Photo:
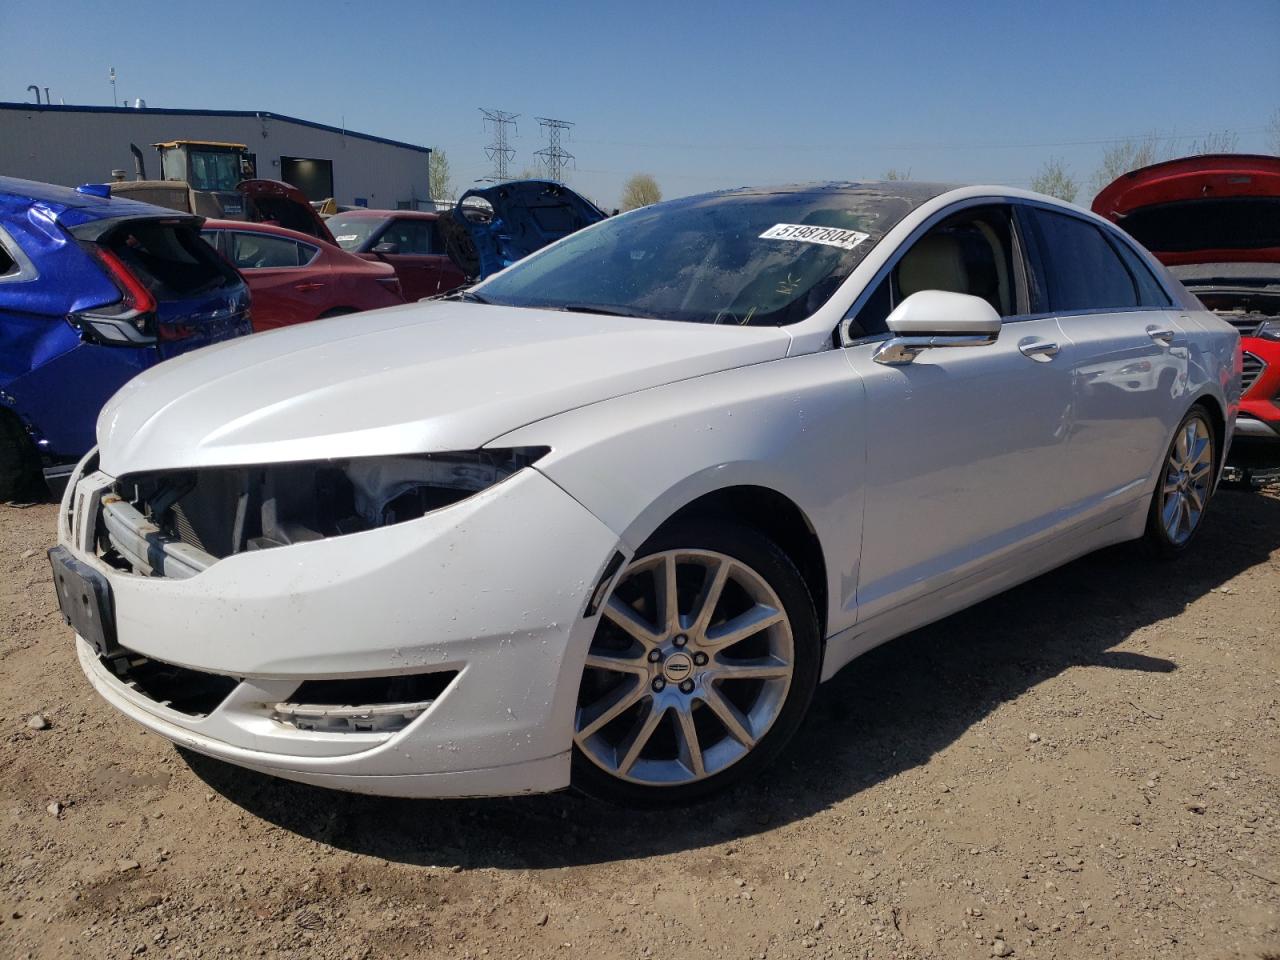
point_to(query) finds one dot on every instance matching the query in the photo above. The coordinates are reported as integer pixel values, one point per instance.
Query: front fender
(795, 426)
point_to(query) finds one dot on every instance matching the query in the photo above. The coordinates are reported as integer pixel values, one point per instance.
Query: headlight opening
(227, 510)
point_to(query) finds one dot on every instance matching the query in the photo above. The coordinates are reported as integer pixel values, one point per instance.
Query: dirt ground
(1088, 766)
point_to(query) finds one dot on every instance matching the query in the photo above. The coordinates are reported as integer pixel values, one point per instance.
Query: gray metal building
(72, 145)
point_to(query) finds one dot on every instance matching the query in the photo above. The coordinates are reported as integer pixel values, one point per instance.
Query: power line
(866, 145)
(553, 156)
(498, 152)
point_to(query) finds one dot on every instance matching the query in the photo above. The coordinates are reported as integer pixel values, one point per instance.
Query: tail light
(131, 322)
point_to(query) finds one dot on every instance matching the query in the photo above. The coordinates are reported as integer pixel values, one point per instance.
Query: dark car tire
(1160, 540)
(19, 466)
(758, 553)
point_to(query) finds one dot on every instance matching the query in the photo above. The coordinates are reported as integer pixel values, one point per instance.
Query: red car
(294, 277)
(409, 240)
(1214, 220)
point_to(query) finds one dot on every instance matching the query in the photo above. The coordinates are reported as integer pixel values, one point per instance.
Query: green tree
(1054, 180)
(893, 173)
(640, 191)
(439, 180)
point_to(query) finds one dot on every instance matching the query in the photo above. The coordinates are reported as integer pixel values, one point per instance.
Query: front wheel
(1182, 492)
(703, 664)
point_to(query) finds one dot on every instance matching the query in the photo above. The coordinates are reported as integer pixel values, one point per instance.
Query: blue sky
(701, 95)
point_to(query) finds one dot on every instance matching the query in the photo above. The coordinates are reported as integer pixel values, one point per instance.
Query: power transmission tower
(499, 152)
(553, 156)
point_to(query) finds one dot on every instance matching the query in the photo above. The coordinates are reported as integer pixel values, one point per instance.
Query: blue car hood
(526, 216)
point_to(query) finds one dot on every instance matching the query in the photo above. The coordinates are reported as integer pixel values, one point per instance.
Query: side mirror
(937, 318)
(387, 246)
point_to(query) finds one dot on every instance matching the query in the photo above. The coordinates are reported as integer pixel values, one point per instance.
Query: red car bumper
(1257, 436)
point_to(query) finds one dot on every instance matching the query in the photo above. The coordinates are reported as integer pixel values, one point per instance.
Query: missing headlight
(228, 510)
(392, 489)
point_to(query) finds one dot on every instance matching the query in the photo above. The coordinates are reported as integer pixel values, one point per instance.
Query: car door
(285, 289)
(965, 446)
(409, 252)
(1129, 355)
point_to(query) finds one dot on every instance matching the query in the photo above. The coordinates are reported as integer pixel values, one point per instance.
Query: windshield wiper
(595, 308)
(468, 296)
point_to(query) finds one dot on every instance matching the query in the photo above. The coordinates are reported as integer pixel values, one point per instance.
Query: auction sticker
(830, 236)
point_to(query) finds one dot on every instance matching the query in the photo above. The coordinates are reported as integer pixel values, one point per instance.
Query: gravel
(1144, 823)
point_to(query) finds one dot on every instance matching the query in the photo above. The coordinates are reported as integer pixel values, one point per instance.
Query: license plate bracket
(84, 597)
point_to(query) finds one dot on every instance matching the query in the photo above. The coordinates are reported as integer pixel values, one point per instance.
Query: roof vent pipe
(139, 165)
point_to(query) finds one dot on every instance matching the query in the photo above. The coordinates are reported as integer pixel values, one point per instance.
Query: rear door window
(1080, 270)
(170, 259)
(258, 251)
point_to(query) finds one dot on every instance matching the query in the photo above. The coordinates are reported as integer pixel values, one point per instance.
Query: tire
(1184, 486)
(690, 673)
(19, 468)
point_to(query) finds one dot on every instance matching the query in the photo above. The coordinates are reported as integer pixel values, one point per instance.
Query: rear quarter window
(1150, 292)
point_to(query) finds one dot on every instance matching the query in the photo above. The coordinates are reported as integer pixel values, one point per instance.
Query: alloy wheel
(689, 668)
(1187, 474)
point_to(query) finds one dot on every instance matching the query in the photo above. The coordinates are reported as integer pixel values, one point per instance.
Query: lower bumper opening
(192, 692)
(364, 705)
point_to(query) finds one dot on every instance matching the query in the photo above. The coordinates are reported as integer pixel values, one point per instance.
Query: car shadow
(889, 711)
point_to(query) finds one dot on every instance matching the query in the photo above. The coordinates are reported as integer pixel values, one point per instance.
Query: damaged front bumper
(439, 656)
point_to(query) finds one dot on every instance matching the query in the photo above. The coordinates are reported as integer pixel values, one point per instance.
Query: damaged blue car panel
(93, 290)
(490, 228)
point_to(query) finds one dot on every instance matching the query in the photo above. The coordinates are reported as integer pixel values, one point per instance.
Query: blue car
(93, 289)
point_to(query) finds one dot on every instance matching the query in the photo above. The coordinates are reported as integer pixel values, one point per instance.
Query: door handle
(1041, 351)
(308, 285)
(1162, 334)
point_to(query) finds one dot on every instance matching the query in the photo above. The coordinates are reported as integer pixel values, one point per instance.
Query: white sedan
(609, 517)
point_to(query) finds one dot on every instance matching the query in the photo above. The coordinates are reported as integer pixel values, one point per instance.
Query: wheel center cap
(677, 667)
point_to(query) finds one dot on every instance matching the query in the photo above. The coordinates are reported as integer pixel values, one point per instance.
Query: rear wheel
(19, 465)
(1186, 480)
(703, 665)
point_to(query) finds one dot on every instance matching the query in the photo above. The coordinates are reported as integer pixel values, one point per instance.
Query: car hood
(425, 377)
(491, 228)
(285, 204)
(1218, 208)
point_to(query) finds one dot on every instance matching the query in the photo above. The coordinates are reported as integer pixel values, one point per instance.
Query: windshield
(763, 259)
(214, 170)
(352, 233)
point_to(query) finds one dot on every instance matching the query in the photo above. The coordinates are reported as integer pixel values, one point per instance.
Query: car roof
(17, 194)
(366, 213)
(916, 190)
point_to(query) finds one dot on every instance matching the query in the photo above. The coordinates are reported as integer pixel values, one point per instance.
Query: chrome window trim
(1114, 233)
(23, 269)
